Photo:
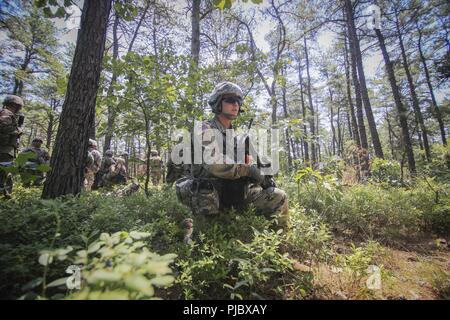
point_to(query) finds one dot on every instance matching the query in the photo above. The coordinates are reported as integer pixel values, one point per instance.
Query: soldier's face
(14, 108)
(230, 107)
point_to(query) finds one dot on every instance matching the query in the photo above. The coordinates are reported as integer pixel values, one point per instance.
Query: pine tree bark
(305, 146)
(401, 109)
(70, 152)
(358, 97)
(355, 48)
(311, 108)
(111, 111)
(354, 125)
(436, 109)
(286, 116)
(195, 32)
(412, 90)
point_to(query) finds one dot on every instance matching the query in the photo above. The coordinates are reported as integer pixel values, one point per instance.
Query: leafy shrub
(358, 266)
(308, 234)
(439, 167)
(369, 211)
(117, 266)
(386, 171)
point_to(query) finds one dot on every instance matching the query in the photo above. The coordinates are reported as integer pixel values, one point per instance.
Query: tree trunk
(412, 90)
(69, 155)
(286, 115)
(51, 121)
(333, 130)
(354, 125)
(402, 112)
(359, 107)
(305, 130)
(391, 142)
(18, 83)
(436, 109)
(111, 112)
(339, 132)
(195, 32)
(311, 108)
(148, 152)
(356, 50)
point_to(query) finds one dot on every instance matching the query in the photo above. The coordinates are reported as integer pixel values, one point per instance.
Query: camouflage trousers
(204, 199)
(6, 182)
(156, 177)
(270, 202)
(89, 178)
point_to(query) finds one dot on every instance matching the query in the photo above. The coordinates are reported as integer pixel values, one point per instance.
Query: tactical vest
(8, 132)
(231, 193)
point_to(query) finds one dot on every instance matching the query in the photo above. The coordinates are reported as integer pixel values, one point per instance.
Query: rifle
(268, 179)
(20, 122)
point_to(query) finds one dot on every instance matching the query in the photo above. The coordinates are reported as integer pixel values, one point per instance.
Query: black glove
(255, 174)
(268, 182)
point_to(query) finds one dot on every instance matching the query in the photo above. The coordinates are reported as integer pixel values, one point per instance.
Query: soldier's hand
(255, 174)
(268, 182)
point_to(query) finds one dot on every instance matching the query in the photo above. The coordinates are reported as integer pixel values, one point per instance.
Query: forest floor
(412, 271)
(362, 242)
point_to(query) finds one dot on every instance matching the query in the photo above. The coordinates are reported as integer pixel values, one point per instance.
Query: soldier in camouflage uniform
(101, 177)
(156, 167)
(93, 164)
(118, 173)
(41, 157)
(128, 190)
(10, 132)
(209, 188)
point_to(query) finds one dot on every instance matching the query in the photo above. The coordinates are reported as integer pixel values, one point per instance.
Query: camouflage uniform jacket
(9, 132)
(155, 164)
(107, 163)
(120, 167)
(42, 156)
(95, 166)
(223, 170)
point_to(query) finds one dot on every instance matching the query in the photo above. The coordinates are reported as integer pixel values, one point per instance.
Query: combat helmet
(221, 89)
(92, 143)
(13, 100)
(37, 139)
(108, 153)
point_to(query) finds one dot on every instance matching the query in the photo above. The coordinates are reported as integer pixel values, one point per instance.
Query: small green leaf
(139, 235)
(45, 259)
(58, 282)
(40, 3)
(94, 247)
(102, 275)
(32, 284)
(162, 281)
(22, 158)
(48, 12)
(139, 283)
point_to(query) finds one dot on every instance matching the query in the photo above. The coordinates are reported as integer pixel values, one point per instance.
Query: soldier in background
(93, 164)
(128, 190)
(156, 167)
(119, 172)
(11, 121)
(41, 157)
(105, 167)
